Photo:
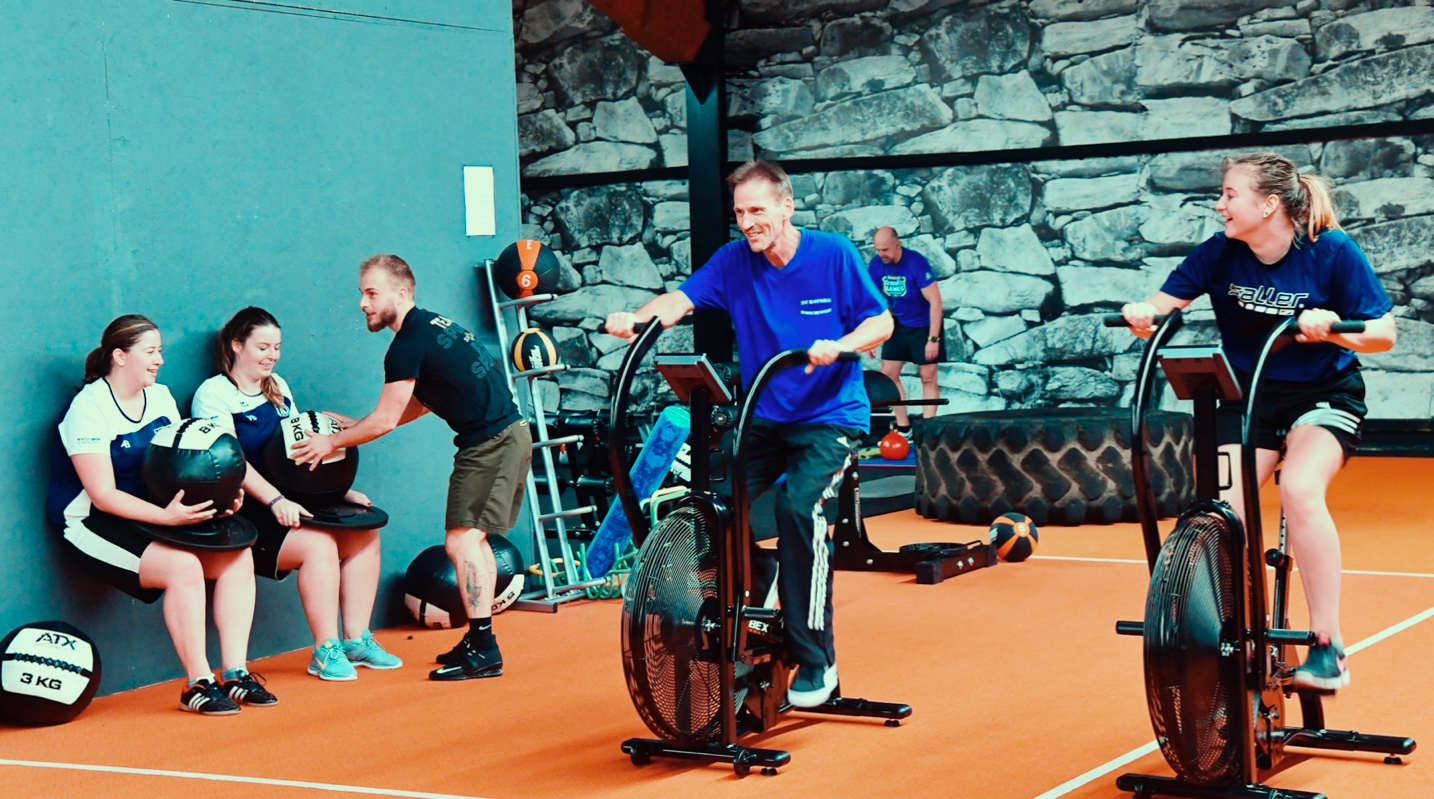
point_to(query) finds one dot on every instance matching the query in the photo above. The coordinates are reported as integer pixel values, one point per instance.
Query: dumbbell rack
(547, 598)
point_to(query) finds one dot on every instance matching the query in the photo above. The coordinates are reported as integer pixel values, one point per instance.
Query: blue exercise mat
(653, 464)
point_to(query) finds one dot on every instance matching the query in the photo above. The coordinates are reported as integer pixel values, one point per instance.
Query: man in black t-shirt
(435, 365)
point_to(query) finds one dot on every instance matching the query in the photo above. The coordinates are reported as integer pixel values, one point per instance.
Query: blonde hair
(1305, 197)
(759, 169)
(396, 268)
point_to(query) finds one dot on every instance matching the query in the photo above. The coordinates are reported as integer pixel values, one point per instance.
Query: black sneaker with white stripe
(250, 690)
(207, 698)
(471, 663)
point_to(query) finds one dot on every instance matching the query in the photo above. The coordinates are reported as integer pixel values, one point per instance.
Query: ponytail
(121, 334)
(1320, 215)
(238, 329)
(1305, 198)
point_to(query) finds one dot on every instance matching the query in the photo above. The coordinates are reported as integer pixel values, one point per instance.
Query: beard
(381, 319)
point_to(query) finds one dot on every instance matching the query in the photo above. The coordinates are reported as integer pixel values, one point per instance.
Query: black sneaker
(812, 686)
(1324, 668)
(250, 690)
(471, 664)
(207, 699)
(451, 656)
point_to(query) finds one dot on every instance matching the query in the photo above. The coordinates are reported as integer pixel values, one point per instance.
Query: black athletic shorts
(1336, 404)
(271, 538)
(908, 344)
(110, 547)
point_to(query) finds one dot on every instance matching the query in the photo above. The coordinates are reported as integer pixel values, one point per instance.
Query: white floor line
(1100, 771)
(1135, 754)
(1087, 560)
(153, 772)
(1361, 572)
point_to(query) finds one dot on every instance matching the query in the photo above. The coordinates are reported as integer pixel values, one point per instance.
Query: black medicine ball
(323, 486)
(533, 349)
(525, 268)
(430, 586)
(198, 456)
(49, 674)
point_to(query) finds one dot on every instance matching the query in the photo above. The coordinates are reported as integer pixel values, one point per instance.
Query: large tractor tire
(1065, 466)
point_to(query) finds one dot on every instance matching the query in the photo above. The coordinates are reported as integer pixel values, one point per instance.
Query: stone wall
(1027, 255)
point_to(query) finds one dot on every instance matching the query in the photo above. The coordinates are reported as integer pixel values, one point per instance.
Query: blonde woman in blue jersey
(1283, 253)
(338, 571)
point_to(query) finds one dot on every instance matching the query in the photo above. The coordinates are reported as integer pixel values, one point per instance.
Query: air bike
(1218, 664)
(704, 666)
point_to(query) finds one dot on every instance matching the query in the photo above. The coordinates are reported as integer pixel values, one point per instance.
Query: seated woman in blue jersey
(338, 572)
(95, 489)
(1283, 253)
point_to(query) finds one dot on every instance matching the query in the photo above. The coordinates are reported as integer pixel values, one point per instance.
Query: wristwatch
(933, 339)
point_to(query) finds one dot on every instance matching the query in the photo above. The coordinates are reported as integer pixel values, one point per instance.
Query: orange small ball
(894, 446)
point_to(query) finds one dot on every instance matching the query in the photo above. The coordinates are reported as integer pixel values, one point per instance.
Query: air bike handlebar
(647, 334)
(778, 363)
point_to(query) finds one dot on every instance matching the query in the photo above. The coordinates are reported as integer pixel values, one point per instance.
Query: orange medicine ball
(1015, 537)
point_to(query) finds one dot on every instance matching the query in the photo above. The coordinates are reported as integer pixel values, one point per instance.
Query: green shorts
(486, 489)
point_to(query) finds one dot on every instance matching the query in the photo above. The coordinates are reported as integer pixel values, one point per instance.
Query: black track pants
(813, 459)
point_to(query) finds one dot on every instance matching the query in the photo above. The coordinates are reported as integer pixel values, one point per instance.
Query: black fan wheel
(1192, 681)
(670, 629)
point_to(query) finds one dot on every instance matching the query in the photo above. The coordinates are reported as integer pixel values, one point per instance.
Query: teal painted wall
(183, 160)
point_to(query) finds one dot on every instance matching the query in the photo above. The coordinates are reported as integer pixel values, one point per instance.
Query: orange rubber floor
(1020, 689)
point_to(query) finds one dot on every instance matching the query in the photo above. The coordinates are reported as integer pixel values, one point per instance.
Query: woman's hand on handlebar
(620, 324)
(177, 513)
(822, 353)
(1315, 324)
(1141, 318)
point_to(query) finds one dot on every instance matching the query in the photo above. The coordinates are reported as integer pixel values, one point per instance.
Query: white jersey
(95, 424)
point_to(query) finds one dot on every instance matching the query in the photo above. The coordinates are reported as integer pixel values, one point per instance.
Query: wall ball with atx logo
(49, 674)
(527, 267)
(534, 349)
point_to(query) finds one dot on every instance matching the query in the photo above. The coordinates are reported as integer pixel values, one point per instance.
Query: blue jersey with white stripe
(94, 424)
(253, 417)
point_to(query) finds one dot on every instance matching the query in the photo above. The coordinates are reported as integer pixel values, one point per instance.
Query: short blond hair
(760, 169)
(396, 268)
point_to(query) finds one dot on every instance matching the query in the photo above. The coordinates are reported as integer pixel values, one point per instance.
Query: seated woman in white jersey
(338, 570)
(96, 498)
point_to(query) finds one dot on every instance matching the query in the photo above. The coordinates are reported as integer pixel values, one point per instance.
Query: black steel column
(708, 195)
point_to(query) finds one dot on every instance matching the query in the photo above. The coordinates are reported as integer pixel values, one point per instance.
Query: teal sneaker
(329, 663)
(369, 653)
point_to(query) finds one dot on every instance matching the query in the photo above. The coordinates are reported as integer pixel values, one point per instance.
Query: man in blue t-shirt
(786, 288)
(905, 277)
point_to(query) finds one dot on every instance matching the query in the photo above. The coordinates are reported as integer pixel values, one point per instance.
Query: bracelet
(274, 500)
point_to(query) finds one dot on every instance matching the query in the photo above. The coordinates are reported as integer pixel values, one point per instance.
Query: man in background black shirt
(435, 365)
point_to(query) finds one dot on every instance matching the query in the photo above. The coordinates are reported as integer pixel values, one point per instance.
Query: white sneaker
(810, 690)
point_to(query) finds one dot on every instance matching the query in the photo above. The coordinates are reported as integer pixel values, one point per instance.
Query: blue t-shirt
(823, 293)
(902, 283)
(1250, 297)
